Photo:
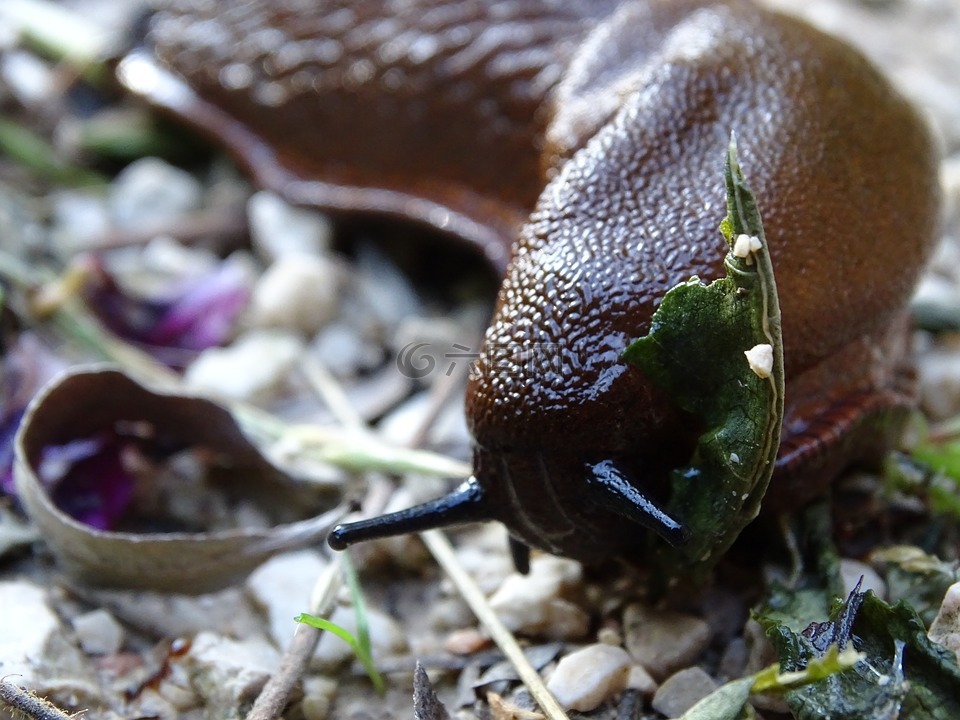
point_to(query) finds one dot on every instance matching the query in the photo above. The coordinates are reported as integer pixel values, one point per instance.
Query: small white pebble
(28, 77)
(278, 229)
(151, 192)
(298, 292)
(641, 681)
(760, 359)
(945, 628)
(939, 371)
(79, 217)
(251, 369)
(537, 604)
(746, 244)
(585, 678)
(98, 632)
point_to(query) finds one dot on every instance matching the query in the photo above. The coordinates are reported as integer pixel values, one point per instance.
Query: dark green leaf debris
(695, 351)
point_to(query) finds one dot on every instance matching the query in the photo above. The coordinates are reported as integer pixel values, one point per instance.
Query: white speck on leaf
(746, 244)
(760, 358)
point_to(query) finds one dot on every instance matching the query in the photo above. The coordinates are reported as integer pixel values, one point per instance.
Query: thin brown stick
(440, 394)
(275, 695)
(445, 556)
(218, 222)
(30, 704)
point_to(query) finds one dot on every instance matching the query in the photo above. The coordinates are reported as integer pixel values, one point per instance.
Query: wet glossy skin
(595, 135)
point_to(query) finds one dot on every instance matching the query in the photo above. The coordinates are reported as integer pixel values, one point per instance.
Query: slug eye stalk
(466, 504)
(614, 492)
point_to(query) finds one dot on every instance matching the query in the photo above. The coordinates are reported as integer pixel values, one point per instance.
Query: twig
(440, 394)
(220, 222)
(29, 704)
(276, 693)
(328, 389)
(443, 551)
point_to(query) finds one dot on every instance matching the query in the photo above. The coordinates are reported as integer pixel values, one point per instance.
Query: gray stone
(26, 625)
(663, 641)
(945, 628)
(682, 690)
(227, 673)
(282, 588)
(386, 637)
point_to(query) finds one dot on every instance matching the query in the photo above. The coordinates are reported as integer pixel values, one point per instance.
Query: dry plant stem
(276, 693)
(29, 704)
(443, 552)
(440, 394)
(328, 389)
(219, 222)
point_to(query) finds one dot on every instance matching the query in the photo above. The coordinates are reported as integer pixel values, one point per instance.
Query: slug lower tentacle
(587, 136)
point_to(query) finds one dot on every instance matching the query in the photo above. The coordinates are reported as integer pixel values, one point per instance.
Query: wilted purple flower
(193, 314)
(27, 366)
(89, 480)
(8, 429)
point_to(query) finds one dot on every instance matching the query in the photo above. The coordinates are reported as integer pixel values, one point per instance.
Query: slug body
(588, 136)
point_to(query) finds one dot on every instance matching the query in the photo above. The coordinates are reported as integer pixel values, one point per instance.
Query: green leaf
(360, 609)
(725, 703)
(903, 674)
(34, 152)
(916, 577)
(361, 643)
(931, 471)
(362, 655)
(728, 702)
(695, 351)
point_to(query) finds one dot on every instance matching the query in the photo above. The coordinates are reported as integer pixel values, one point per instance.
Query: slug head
(573, 446)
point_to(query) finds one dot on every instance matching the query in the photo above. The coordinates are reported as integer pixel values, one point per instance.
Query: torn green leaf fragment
(717, 351)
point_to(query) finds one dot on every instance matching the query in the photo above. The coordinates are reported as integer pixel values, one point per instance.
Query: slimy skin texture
(589, 136)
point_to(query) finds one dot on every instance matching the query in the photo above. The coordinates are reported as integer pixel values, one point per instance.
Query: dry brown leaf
(86, 402)
(501, 709)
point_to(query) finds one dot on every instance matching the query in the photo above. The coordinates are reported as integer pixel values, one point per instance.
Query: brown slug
(588, 136)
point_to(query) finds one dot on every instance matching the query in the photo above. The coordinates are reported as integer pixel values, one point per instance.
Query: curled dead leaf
(86, 405)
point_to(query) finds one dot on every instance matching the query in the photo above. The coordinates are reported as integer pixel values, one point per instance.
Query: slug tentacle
(467, 503)
(617, 494)
(520, 554)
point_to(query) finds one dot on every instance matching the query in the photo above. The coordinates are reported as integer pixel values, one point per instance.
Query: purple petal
(89, 480)
(192, 315)
(8, 430)
(205, 313)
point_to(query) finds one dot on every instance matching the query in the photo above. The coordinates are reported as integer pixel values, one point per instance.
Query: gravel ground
(315, 316)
